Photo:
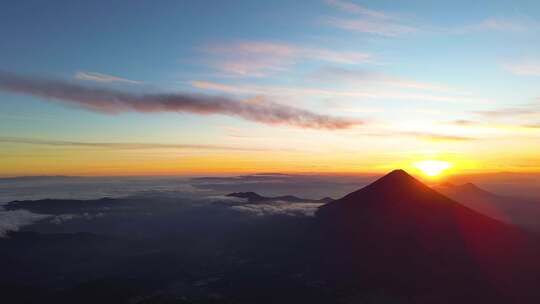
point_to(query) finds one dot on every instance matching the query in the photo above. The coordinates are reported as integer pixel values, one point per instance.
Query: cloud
(508, 112)
(438, 137)
(495, 24)
(116, 145)
(435, 137)
(502, 25)
(279, 208)
(464, 122)
(62, 218)
(378, 22)
(354, 92)
(370, 26)
(532, 126)
(525, 68)
(98, 77)
(259, 58)
(14, 220)
(525, 110)
(356, 76)
(354, 8)
(369, 21)
(110, 101)
(511, 128)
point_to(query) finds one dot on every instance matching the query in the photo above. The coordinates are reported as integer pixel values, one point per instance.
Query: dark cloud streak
(110, 101)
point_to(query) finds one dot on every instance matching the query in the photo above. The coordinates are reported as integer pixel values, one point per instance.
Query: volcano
(406, 238)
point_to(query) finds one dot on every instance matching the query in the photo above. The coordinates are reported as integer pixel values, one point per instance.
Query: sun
(432, 168)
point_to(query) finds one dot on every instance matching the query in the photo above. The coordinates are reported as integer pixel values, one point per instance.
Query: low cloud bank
(279, 208)
(14, 220)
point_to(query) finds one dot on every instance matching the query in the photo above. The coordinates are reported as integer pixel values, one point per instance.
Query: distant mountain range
(516, 211)
(62, 206)
(254, 198)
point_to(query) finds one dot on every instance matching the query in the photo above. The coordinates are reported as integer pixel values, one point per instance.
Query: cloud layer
(377, 27)
(14, 220)
(367, 21)
(354, 8)
(114, 102)
(437, 93)
(116, 145)
(99, 77)
(260, 58)
(279, 208)
(362, 76)
(524, 68)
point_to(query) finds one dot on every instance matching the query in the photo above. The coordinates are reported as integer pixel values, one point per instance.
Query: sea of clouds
(199, 191)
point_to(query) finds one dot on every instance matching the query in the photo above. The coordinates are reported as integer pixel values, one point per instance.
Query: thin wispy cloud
(435, 137)
(382, 23)
(353, 92)
(362, 76)
(499, 24)
(110, 101)
(532, 126)
(99, 77)
(378, 27)
(511, 112)
(508, 112)
(524, 68)
(490, 127)
(517, 25)
(464, 122)
(354, 8)
(260, 58)
(522, 118)
(368, 21)
(118, 145)
(425, 136)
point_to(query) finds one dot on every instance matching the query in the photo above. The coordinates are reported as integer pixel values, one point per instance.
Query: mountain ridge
(254, 198)
(515, 211)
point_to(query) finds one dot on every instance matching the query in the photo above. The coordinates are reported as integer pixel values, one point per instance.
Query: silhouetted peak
(469, 186)
(398, 172)
(326, 200)
(447, 184)
(395, 186)
(472, 188)
(397, 178)
(248, 195)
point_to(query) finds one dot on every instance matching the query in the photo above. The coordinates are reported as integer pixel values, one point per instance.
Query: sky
(226, 87)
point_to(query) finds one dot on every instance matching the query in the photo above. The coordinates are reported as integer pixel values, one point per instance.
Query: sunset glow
(338, 91)
(432, 167)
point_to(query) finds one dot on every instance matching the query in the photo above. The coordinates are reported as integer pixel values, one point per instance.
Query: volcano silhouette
(400, 235)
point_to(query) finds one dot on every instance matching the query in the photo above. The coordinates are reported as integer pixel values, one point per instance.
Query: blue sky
(441, 79)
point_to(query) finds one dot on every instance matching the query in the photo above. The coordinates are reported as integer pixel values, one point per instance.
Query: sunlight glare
(432, 167)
